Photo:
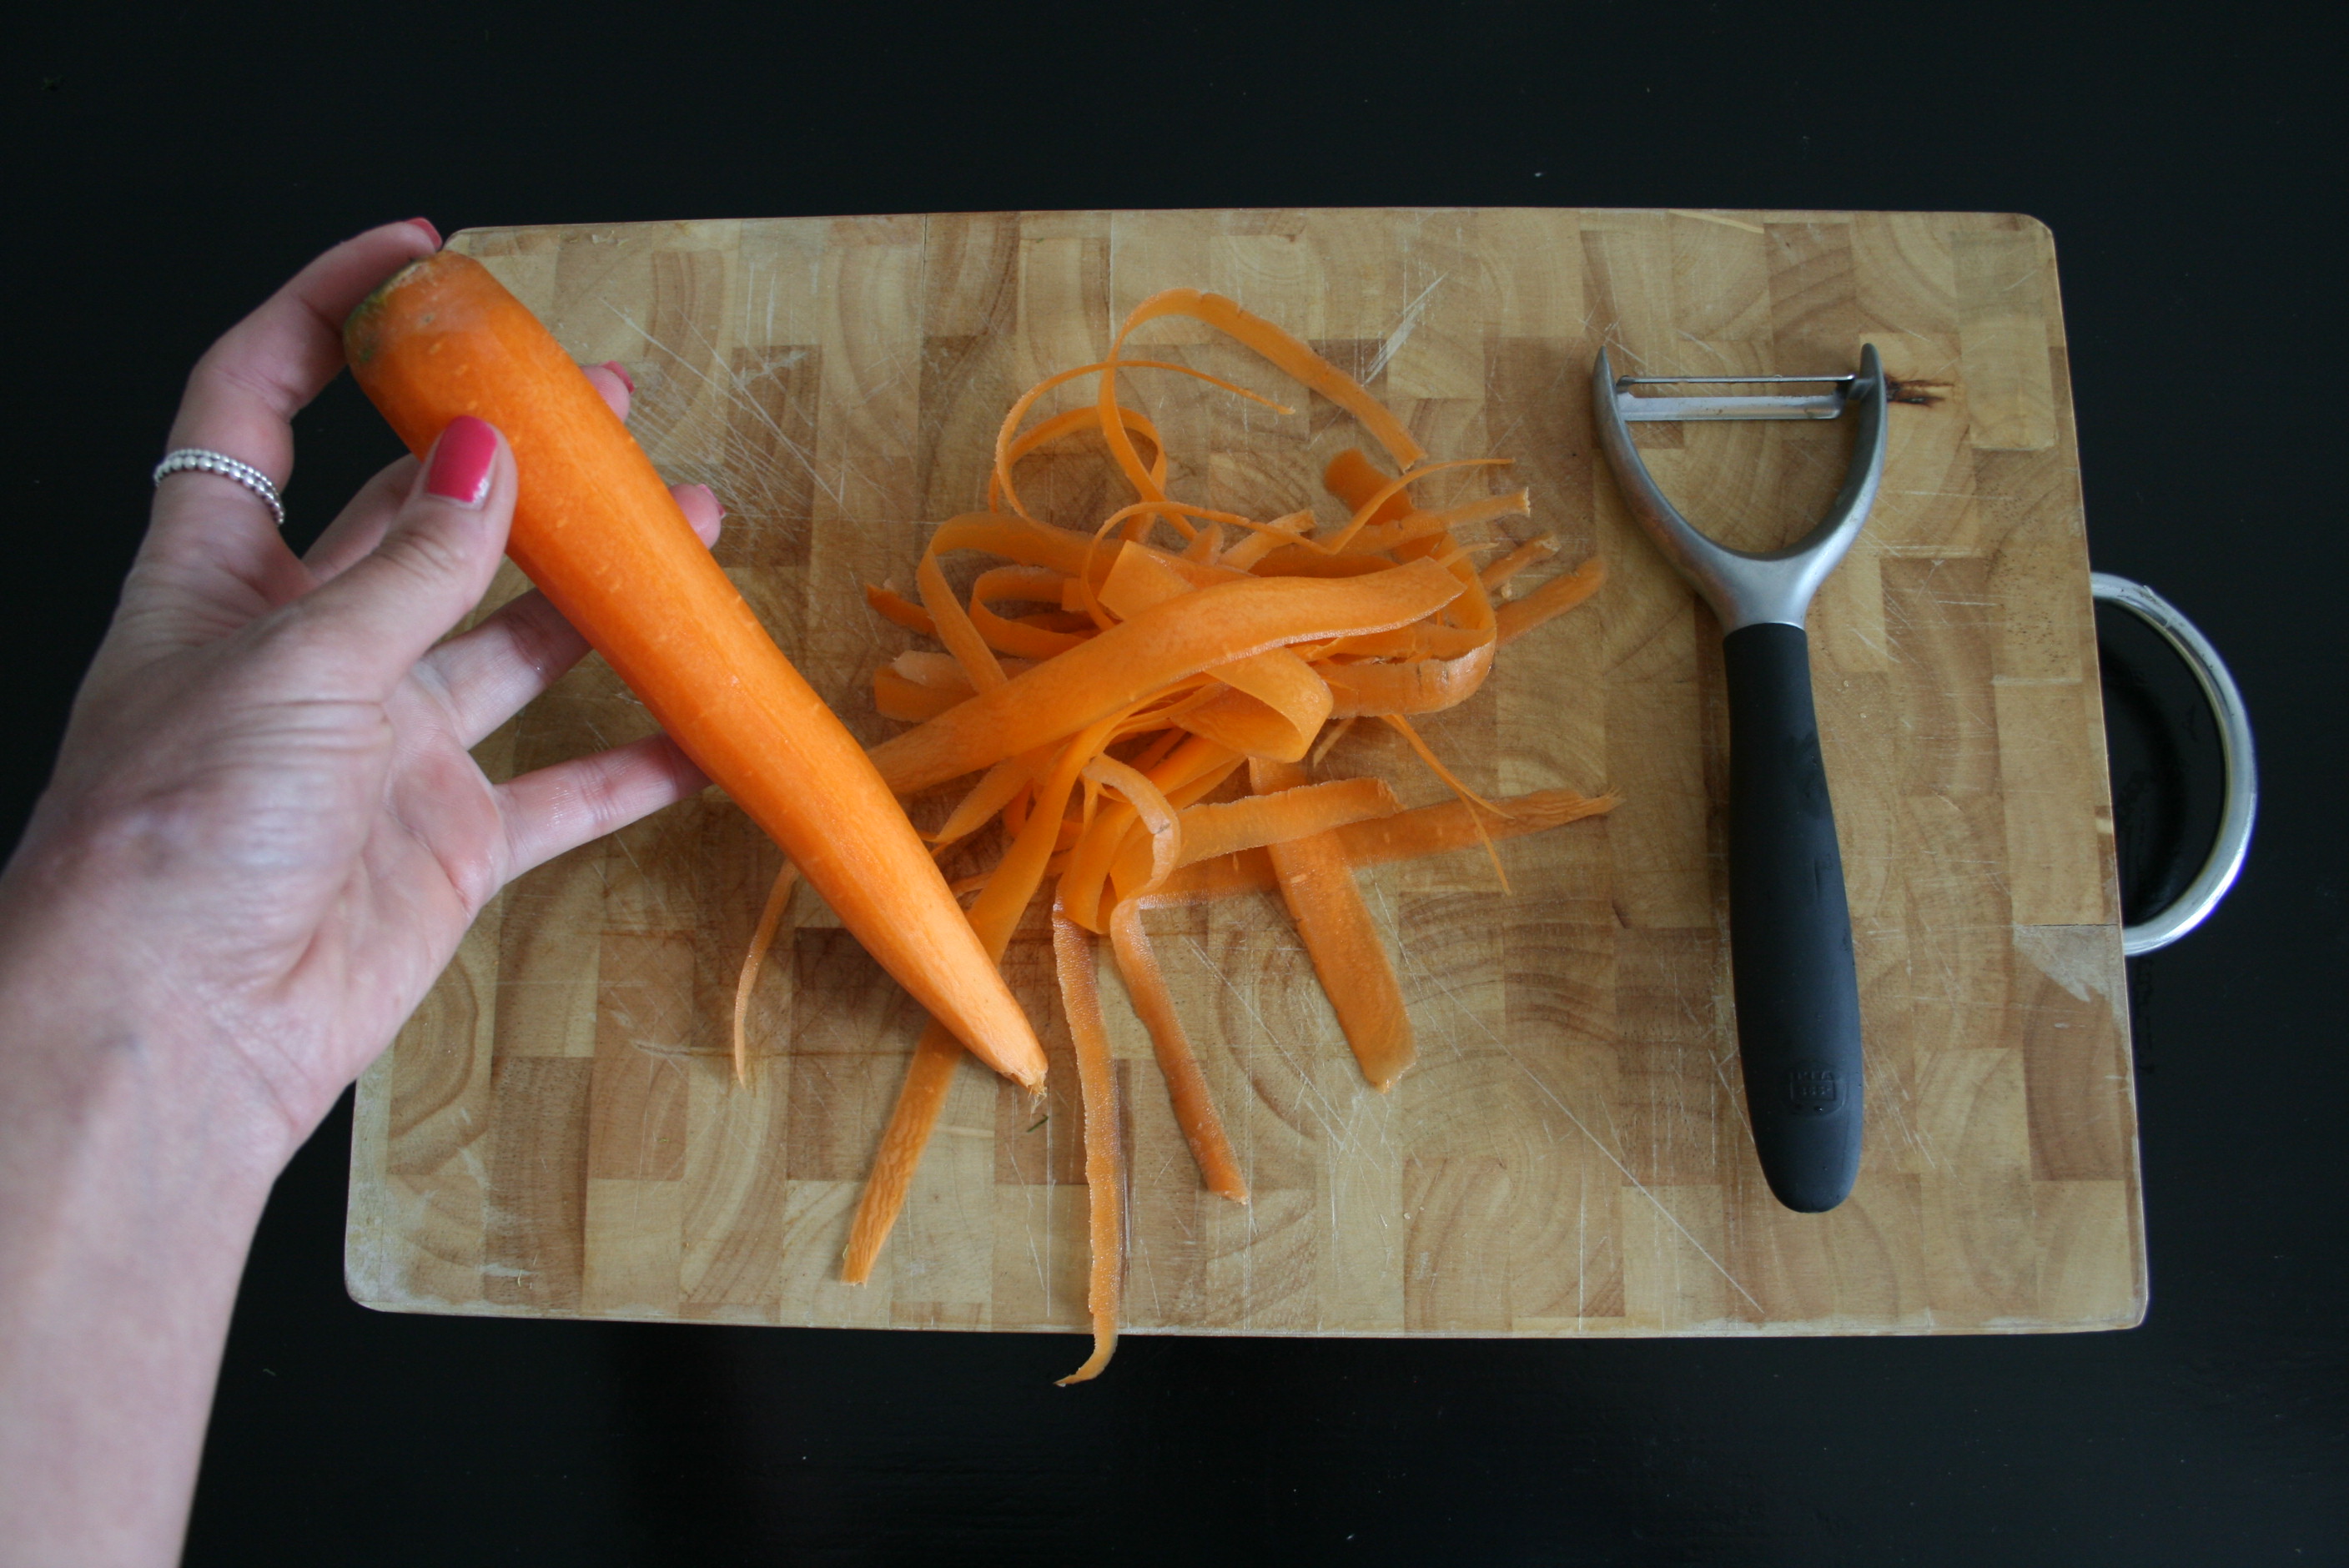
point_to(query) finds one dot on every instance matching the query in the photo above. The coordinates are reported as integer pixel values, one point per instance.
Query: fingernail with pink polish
(626, 380)
(462, 461)
(426, 224)
(715, 501)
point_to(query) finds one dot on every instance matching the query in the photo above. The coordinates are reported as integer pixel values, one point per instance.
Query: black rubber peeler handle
(1790, 928)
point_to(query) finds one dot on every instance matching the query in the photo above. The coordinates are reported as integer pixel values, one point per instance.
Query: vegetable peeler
(1789, 925)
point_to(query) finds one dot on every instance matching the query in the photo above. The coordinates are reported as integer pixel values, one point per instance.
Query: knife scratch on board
(1404, 328)
(1327, 1111)
(1639, 1186)
(731, 392)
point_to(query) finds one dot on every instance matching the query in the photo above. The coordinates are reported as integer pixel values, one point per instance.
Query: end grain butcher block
(557, 1132)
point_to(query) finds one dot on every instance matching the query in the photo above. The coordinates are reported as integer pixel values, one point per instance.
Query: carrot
(597, 530)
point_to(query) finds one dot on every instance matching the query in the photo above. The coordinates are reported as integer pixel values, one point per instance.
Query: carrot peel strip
(1259, 820)
(1186, 1086)
(1072, 951)
(1289, 353)
(1391, 489)
(762, 939)
(1317, 883)
(955, 628)
(1517, 561)
(1555, 597)
(1435, 766)
(990, 795)
(1216, 625)
(993, 917)
(893, 606)
(919, 1100)
(1453, 826)
(1151, 805)
(1002, 482)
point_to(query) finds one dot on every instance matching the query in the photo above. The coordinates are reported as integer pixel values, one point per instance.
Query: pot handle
(2242, 797)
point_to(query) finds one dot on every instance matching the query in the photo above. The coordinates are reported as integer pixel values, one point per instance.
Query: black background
(166, 166)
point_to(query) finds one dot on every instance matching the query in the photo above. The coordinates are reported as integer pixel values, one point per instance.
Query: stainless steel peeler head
(1745, 588)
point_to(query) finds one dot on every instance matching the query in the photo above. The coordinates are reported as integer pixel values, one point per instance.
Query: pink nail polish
(461, 462)
(715, 501)
(626, 380)
(426, 224)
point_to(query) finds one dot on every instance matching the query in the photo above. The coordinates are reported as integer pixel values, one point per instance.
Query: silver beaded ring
(202, 462)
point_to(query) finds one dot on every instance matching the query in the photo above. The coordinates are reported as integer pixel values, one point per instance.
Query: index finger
(244, 394)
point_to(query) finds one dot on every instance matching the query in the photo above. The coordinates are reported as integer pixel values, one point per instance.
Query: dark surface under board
(163, 171)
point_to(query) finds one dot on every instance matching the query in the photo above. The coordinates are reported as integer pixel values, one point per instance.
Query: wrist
(99, 1093)
(96, 1059)
(133, 1174)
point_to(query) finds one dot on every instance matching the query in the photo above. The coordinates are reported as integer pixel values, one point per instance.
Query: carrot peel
(1072, 951)
(761, 938)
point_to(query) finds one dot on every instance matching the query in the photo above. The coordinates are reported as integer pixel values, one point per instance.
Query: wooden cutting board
(556, 1134)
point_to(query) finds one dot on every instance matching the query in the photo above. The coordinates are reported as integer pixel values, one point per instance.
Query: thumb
(359, 634)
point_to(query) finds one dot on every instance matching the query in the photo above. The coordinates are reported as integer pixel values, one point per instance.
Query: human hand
(265, 835)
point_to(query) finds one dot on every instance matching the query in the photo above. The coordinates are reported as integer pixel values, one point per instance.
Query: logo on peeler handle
(1813, 1089)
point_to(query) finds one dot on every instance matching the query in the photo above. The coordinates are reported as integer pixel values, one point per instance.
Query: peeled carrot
(597, 530)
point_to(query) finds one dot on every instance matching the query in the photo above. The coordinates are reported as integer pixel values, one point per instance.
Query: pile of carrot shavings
(1103, 683)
